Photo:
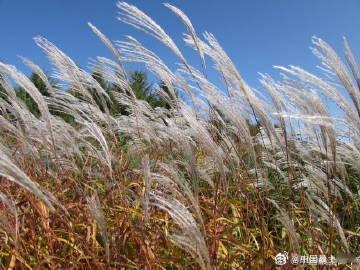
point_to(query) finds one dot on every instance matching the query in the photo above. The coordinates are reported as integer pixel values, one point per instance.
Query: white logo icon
(281, 258)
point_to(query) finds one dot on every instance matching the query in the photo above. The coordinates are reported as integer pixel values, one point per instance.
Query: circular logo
(281, 258)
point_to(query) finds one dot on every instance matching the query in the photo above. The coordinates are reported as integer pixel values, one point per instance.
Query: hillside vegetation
(98, 171)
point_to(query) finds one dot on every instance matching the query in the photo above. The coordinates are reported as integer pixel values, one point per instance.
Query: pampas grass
(222, 177)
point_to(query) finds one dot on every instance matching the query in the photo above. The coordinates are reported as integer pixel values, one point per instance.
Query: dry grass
(225, 177)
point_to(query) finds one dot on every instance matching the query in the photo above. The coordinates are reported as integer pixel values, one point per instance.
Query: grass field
(204, 176)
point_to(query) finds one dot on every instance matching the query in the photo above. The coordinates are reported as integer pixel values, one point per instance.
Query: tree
(163, 102)
(24, 96)
(140, 86)
(39, 84)
(143, 90)
(2, 90)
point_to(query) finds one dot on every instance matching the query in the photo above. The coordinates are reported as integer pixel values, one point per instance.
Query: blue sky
(256, 33)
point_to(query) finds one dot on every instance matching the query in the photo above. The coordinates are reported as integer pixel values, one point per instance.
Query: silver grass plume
(288, 223)
(352, 63)
(98, 215)
(133, 16)
(111, 47)
(147, 185)
(331, 60)
(189, 237)
(69, 72)
(10, 171)
(9, 203)
(38, 71)
(186, 21)
(133, 51)
(323, 211)
(92, 130)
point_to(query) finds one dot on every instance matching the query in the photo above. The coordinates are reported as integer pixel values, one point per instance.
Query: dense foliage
(103, 170)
